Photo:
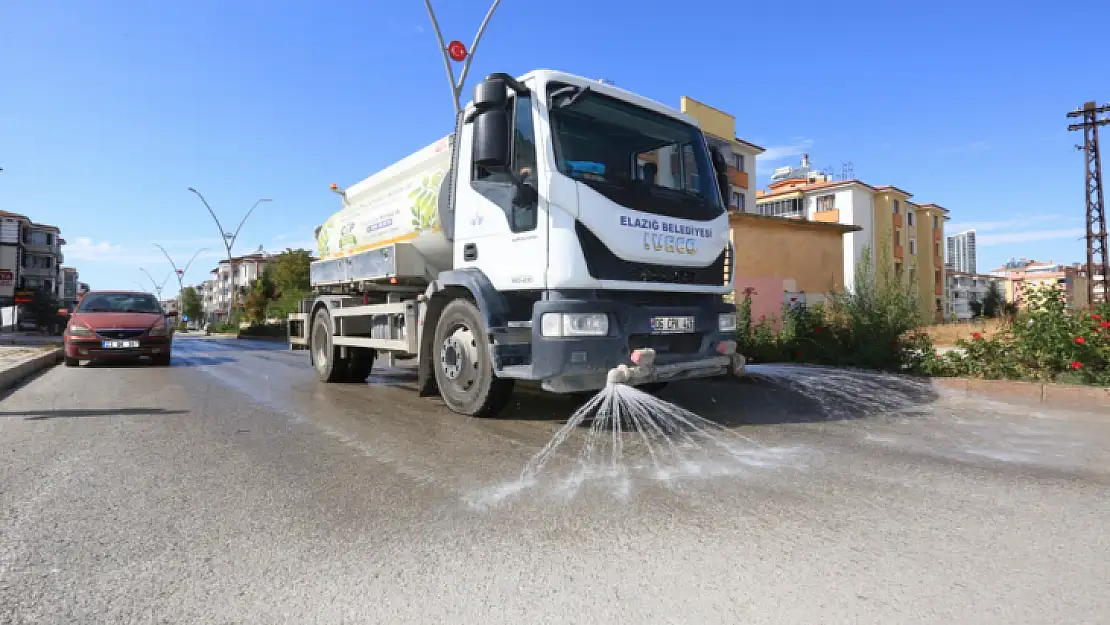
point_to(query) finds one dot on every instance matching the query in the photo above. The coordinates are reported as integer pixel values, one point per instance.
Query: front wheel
(71, 362)
(463, 369)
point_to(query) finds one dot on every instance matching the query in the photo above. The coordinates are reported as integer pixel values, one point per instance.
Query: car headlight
(77, 329)
(159, 329)
(574, 324)
(726, 322)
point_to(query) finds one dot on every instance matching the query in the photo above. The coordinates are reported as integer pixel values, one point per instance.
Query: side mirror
(491, 124)
(64, 312)
(720, 165)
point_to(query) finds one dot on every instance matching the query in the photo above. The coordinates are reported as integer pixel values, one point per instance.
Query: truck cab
(588, 244)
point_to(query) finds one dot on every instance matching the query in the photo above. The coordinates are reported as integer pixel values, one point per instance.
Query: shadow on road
(66, 413)
(178, 361)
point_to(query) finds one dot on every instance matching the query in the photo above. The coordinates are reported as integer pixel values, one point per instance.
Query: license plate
(120, 344)
(672, 325)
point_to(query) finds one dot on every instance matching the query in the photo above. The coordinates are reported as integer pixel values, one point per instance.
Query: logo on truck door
(668, 237)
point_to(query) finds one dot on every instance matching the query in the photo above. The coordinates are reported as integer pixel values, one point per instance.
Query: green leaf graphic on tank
(425, 203)
(347, 237)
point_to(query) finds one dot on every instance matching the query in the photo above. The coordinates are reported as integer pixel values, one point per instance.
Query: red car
(115, 325)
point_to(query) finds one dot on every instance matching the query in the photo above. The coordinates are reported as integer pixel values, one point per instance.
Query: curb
(1070, 395)
(29, 366)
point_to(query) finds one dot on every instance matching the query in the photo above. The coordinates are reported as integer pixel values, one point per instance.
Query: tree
(992, 301)
(190, 303)
(43, 308)
(290, 270)
(976, 308)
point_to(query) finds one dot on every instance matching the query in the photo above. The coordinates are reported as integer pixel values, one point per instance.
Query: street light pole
(456, 86)
(180, 272)
(229, 242)
(157, 288)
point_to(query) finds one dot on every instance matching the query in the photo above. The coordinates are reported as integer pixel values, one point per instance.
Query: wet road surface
(233, 488)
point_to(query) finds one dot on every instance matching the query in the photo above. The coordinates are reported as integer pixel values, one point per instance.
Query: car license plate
(672, 325)
(120, 344)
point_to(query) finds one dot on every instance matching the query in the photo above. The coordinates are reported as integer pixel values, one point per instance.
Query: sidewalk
(28, 338)
(19, 361)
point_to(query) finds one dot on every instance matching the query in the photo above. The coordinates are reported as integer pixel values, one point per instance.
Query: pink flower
(1079, 340)
(1076, 365)
(977, 336)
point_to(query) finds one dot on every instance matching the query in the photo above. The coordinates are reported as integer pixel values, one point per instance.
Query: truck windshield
(638, 158)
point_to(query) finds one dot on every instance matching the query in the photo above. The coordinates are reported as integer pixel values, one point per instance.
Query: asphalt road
(232, 488)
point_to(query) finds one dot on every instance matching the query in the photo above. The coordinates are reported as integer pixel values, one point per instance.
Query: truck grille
(117, 333)
(604, 265)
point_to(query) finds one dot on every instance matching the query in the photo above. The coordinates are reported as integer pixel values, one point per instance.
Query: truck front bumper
(588, 363)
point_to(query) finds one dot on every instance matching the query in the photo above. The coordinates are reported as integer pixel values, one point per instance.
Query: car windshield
(636, 157)
(120, 303)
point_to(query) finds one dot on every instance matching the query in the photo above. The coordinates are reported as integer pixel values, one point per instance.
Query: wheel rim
(458, 358)
(320, 346)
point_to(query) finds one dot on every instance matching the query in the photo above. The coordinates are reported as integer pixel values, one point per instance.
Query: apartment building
(963, 289)
(1022, 276)
(902, 236)
(720, 132)
(960, 252)
(70, 284)
(215, 292)
(30, 259)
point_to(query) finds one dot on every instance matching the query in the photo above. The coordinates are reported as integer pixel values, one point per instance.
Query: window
(826, 203)
(913, 247)
(637, 158)
(737, 200)
(119, 302)
(936, 222)
(494, 184)
(740, 203)
(898, 236)
(738, 161)
(895, 207)
(909, 219)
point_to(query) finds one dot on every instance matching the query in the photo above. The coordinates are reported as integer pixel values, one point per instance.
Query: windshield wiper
(577, 92)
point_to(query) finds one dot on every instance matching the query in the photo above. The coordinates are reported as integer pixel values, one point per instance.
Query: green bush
(265, 330)
(224, 328)
(873, 325)
(1045, 342)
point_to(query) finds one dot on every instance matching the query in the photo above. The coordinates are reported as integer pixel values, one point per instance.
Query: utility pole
(229, 242)
(1097, 263)
(456, 51)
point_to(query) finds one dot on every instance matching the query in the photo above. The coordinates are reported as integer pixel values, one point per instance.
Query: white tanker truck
(568, 233)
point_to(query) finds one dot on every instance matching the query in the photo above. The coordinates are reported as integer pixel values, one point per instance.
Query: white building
(963, 288)
(215, 293)
(960, 252)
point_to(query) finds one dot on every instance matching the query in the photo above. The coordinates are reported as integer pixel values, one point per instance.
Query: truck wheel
(464, 373)
(325, 356)
(359, 364)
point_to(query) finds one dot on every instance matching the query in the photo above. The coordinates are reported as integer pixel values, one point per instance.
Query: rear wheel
(325, 355)
(359, 364)
(463, 370)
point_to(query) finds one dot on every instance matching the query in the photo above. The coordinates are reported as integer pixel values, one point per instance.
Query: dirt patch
(946, 334)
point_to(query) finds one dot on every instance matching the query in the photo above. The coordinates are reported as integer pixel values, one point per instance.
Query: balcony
(737, 178)
(936, 235)
(42, 248)
(827, 216)
(899, 252)
(897, 220)
(39, 272)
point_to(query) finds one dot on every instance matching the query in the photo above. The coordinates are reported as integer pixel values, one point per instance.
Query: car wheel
(463, 370)
(71, 362)
(163, 360)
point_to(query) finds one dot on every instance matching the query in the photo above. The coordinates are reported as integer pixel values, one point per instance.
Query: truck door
(500, 228)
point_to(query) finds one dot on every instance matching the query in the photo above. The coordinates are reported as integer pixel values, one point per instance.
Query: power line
(1097, 263)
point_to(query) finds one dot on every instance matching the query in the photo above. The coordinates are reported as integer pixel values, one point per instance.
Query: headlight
(77, 329)
(574, 324)
(726, 322)
(159, 329)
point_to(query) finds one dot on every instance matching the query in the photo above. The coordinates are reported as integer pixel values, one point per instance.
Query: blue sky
(110, 110)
